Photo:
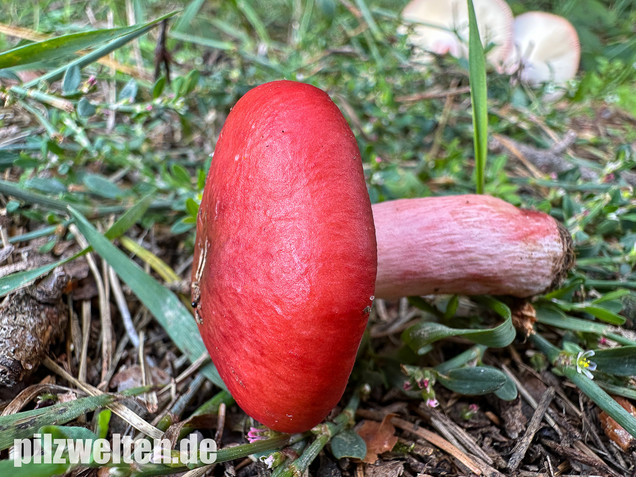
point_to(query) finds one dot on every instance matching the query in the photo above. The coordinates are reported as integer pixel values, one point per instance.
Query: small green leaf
(348, 444)
(49, 185)
(192, 206)
(102, 187)
(158, 87)
(85, 108)
(604, 314)
(68, 432)
(473, 381)
(617, 361)
(191, 81)
(177, 85)
(103, 419)
(181, 175)
(182, 226)
(72, 79)
(129, 218)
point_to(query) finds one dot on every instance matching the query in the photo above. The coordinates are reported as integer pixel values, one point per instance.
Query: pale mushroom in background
(442, 27)
(547, 50)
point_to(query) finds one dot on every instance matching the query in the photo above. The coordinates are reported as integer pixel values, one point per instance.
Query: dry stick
(120, 299)
(104, 306)
(412, 98)
(75, 332)
(130, 13)
(474, 465)
(438, 138)
(519, 451)
(146, 377)
(118, 408)
(86, 330)
(220, 424)
(441, 421)
(581, 456)
(528, 397)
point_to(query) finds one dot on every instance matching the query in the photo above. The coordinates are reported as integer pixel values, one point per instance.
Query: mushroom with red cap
(285, 255)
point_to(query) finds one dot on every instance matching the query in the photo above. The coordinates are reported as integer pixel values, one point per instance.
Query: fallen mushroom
(285, 255)
(468, 245)
(547, 50)
(442, 27)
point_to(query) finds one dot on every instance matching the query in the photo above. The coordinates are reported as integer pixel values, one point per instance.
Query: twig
(431, 438)
(528, 397)
(104, 306)
(86, 330)
(519, 451)
(412, 98)
(120, 299)
(118, 408)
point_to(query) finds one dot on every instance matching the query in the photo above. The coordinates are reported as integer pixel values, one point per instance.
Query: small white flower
(584, 365)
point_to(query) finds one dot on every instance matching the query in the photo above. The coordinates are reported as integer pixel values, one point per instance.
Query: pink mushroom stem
(468, 245)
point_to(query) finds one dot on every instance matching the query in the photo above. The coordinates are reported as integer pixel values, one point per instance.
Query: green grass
(98, 145)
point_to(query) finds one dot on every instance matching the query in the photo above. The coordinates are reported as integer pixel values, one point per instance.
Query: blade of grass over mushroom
(54, 48)
(161, 302)
(423, 334)
(100, 52)
(479, 98)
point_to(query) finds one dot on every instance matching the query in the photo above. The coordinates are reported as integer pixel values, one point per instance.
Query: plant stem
(324, 433)
(586, 385)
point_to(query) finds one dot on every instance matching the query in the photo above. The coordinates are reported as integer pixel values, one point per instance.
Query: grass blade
(119, 228)
(479, 98)
(100, 52)
(164, 305)
(423, 334)
(57, 47)
(24, 424)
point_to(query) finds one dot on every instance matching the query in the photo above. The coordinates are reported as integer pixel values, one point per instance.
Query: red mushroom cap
(285, 255)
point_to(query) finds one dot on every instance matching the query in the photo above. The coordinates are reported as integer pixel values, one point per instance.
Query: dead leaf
(523, 318)
(379, 436)
(614, 430)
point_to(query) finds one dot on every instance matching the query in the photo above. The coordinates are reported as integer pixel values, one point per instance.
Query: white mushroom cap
(442, 27)
(547, 49)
